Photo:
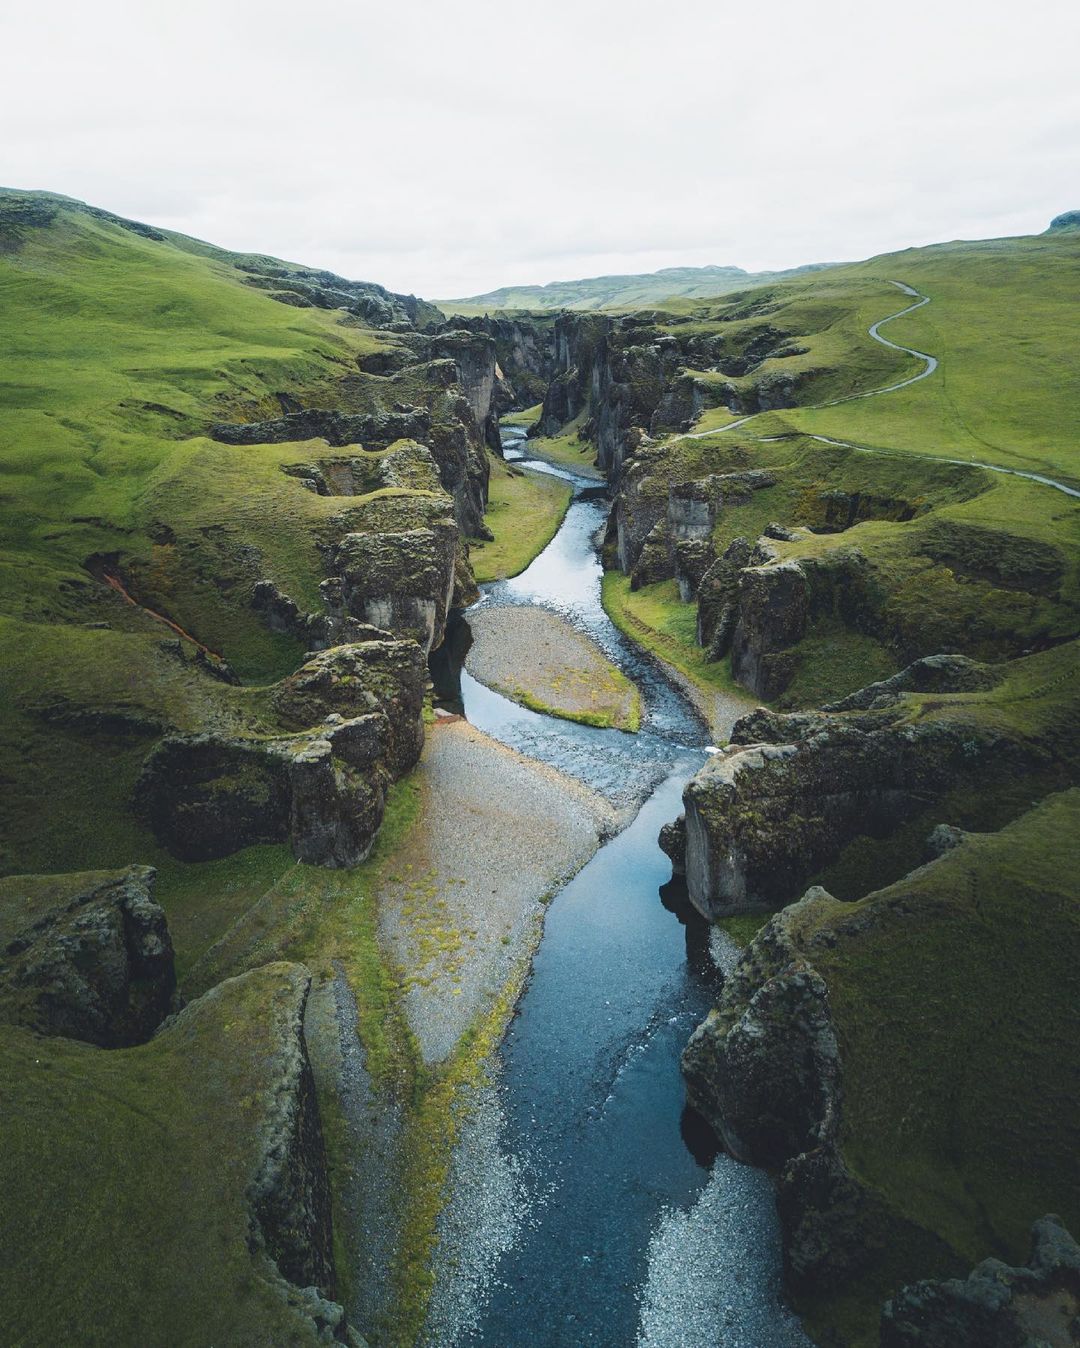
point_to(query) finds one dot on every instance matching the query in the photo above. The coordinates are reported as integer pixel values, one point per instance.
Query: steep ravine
(583, 1194)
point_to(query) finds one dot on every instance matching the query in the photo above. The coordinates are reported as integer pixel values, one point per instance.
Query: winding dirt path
(930, 365)
(874, 330)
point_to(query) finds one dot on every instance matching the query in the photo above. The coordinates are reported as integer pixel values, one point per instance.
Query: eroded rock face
(761, 818)
(97, 965)
(673, 843)
(767, 1077)
(208, 796)
(931, 674)
(384, 675)
(474, 356)
(290, 1191)
(997, 1306)
(764, 1070)
(402, 582)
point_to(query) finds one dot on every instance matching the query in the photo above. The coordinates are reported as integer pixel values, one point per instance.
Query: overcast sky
(447, 149)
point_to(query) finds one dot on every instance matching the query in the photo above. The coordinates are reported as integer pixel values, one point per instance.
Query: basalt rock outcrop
(931, 674)
(374, 676)
(95, 964)
(791, 792)
(1037, 1306)
(357, 711)
(662, 531)
(764, 1070)
(373, 304)
(209, 795)
(211, 1129)
(437, 391)
(400, 581)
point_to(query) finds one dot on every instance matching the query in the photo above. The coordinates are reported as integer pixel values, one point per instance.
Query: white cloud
(450, 149)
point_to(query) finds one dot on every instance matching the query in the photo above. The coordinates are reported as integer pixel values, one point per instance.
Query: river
(591, 1205)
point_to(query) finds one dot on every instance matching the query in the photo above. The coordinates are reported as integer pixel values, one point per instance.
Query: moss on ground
(125, 1175)
(527, 417)
(568, 447)
(655, 618)
(959, 1039)
(610, 719)
(524, 513)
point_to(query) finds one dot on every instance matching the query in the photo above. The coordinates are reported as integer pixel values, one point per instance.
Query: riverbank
(538, 659)
(461, 906)
(524, 511)
(653, 619)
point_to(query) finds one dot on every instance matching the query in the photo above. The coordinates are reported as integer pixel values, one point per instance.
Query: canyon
(668, 939)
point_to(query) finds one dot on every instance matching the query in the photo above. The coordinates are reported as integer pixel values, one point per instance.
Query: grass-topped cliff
(214, 465)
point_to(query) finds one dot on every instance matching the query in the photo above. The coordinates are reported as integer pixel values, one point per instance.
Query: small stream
(616, 1223)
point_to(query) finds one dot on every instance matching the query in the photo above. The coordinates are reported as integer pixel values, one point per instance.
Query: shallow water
(611, 1201)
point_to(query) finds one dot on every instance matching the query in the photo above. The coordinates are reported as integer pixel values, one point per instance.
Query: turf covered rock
(184, 1179)
(402, 582)
(762, 818)
(997, 1306)
(93, 962)
(208, 796)
(385, 675)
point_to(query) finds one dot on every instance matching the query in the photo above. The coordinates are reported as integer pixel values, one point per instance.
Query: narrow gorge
(537, 827)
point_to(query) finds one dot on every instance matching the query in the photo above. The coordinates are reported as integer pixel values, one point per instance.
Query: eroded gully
(587, 1205)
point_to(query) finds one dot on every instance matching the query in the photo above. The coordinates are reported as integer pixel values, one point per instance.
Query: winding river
(605, 1215)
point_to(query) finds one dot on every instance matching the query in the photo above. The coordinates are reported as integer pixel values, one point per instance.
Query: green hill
(621, 292)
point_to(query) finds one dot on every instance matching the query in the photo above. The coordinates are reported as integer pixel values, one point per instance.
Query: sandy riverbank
(461, 905)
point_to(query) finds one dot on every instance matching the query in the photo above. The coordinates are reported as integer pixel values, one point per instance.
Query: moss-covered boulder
(402, 582)
(386, 675)
(764, 817)
(1036, 1306)
(85, 956)
(324, 793)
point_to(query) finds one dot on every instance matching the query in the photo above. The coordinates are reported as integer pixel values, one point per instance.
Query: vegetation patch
(539, 659)
(524, 513)
(959, 1041)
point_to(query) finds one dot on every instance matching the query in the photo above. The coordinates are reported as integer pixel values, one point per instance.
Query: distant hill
(618, 292)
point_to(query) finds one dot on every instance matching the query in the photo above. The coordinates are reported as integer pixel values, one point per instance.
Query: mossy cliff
(240, 494)
(905, 1064)
(175, 1191)
(218, 463)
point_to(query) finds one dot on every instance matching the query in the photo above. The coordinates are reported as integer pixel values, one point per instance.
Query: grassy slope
(527, 417)
(145, 1154)
(119, 351)
(567, 447)
(1003, 323)
(959, 1040)
(524, 513)
(613, 292)
(655, 618)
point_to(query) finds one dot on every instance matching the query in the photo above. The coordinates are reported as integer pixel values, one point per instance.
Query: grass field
(524, 513)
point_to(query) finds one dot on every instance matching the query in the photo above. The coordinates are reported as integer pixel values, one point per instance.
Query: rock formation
(790, 792)
(94, 964)
(1037, 1306)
